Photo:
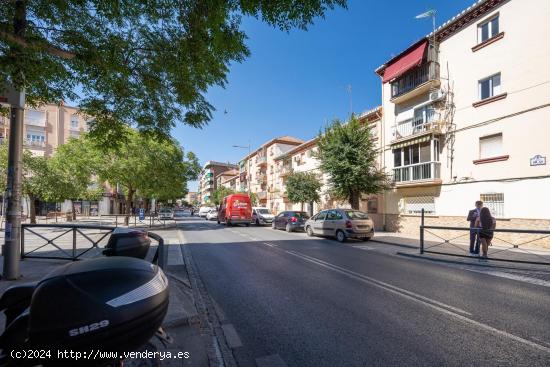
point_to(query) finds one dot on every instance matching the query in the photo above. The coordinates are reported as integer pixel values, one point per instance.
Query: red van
(235, 209)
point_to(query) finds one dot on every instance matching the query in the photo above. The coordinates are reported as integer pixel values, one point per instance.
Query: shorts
(486, 233)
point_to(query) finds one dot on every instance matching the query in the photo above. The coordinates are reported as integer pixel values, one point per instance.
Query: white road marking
(364, 247)
(441, 307)
(269, 244)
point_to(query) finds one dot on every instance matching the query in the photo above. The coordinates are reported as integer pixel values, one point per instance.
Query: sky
(295, 83)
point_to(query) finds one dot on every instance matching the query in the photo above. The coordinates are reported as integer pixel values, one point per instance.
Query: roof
(231, 172)
(372, 114)
(214, 163)
(286, 139)
(451, 26)
(308, 144)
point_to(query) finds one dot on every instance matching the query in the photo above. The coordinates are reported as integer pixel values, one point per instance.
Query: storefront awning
(405, 62)
(406, 143)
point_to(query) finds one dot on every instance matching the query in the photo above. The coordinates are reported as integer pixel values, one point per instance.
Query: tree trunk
(73, 209)
(354, 199)
(128, 210)
(32, 211)
(302, 206)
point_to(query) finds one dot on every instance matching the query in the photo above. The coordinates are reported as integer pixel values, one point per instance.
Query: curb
(393, 243)
(449, 261)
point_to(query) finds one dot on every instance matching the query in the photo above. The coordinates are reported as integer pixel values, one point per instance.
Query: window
(321, 216)
(489, 87)
(490, 146)
(334, 215)
(37, 118)
(487, 30)
(74, 121)
(414, 205)
(372, 205)
(397, 157)
(495, 203)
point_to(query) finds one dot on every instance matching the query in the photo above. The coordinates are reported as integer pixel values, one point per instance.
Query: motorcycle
(87, 312)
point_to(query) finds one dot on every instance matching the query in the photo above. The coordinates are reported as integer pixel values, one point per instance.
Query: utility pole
(350, 99)
(16, 98)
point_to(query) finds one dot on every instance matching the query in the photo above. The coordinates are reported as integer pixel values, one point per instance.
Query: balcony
(418, 81)
(261, 160)
(419, 173)
(285, 171)
(34, 143)
(429, 123)
(262, 195)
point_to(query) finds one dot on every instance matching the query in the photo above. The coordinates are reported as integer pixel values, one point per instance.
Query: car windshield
(356, 214)
(300, 215)
(263, 211)
(165, 210)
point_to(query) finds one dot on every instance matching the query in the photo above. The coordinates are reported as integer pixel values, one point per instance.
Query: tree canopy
(348, 155)
(303, 187)
(219, 194)
(146, 63)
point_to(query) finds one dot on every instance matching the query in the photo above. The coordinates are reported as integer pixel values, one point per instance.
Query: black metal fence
(505, 249)
(70, 241)
(135, 220)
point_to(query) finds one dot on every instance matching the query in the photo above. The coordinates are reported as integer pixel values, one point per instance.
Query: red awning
(405, 62)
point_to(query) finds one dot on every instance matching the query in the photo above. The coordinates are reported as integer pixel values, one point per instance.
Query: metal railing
(416, 125)
(414, 78)
(417, 172)
(133, 219)
(516, 250)
(78, 234)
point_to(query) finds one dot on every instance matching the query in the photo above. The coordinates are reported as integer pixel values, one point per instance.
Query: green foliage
(348, 155)
(253, 198)
(303, 187)
(219, 194)
(142, 63)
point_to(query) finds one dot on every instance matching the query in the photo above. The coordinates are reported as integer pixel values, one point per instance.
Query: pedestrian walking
(487, 224)
(473, 215)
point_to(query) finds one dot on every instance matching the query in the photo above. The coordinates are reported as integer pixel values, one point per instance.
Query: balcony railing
(414, 78)
(285, 170)
(35, 143)
(262, 195)
(417, 125)
(261, 160)
(417, 172)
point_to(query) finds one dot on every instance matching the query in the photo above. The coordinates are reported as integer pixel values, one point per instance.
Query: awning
(405, 62)
(418, 140)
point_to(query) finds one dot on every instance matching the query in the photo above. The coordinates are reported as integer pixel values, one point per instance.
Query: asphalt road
(315, 302)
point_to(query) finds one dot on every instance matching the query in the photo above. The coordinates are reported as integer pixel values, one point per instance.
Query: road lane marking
(518, 277)
(269, 244)
(438, 306)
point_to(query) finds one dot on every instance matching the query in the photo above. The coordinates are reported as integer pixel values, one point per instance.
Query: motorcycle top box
(111, 304)
(127, 242)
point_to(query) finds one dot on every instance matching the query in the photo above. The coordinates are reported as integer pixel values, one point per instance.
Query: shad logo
(89, 328)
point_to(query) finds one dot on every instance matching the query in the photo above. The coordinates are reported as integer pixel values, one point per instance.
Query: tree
(73, 173)
(219, 194)
(147, 63)
(303, 187)
(150, 167)
(348, 155)
(253, 198)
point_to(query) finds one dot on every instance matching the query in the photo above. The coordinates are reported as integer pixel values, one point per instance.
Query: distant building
(192, 197)
(207, 178)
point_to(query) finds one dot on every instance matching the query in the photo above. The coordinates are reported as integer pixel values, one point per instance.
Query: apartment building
(302, 159)
(257, 169)
(192, 197)
(228, 179)
(47, 127)
(207, 178)
(466, 114)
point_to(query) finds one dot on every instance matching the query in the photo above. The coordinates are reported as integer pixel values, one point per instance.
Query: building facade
(466, 114)
(46, 128)
(207, 178)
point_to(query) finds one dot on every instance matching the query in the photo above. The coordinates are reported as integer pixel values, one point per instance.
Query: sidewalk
(181, 322)
(410, 246)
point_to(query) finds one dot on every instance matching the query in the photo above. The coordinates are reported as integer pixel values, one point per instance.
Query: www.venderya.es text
(96, 354)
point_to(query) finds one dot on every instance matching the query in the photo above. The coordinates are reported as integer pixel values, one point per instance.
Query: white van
(204, 210)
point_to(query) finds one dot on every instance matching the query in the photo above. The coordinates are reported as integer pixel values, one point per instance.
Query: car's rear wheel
(341, 236)
(247, 224)
(309, 231)
(228, 223)
(288, 228)
(365, 239)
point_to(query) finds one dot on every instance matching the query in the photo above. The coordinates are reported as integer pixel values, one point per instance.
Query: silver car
(341, 224)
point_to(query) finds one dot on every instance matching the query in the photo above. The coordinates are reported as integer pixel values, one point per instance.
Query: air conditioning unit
(436, 95)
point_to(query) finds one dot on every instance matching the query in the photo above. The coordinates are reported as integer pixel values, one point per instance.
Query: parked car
(261, 216)
(290, 220)
(166, 214)
(179, 213)
(204, 210)
(235, 209)
(341, 224)
(212, 214)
